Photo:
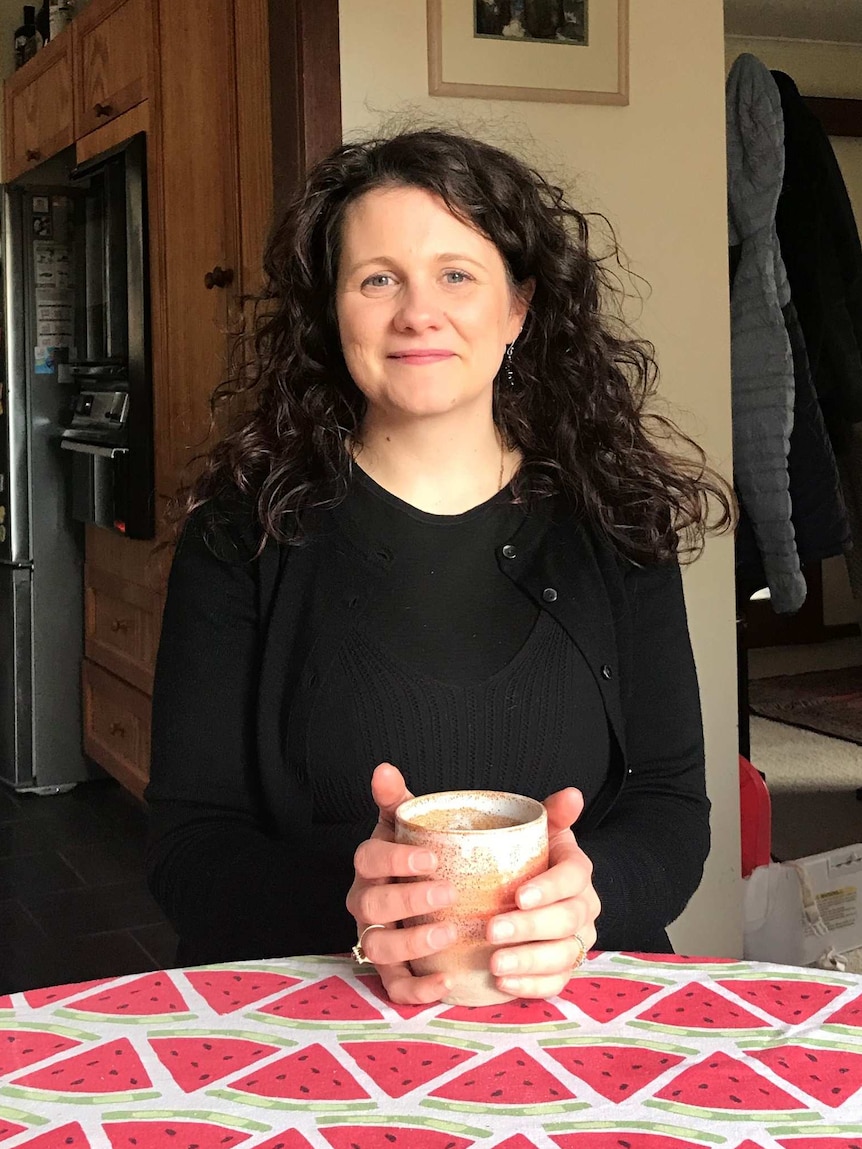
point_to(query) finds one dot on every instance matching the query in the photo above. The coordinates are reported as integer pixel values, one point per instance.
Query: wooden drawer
(113, 45)
(38, 108)
(122, 621)
(116, 727)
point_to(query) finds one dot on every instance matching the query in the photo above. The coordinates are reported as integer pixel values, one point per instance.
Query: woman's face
(425, 307)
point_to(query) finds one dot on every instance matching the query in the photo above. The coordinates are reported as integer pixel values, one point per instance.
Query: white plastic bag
(805, 912)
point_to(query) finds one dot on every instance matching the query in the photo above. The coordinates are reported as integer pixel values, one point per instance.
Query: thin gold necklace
(502, 463)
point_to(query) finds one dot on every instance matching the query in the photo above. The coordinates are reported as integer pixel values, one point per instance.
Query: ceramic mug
(487, 843)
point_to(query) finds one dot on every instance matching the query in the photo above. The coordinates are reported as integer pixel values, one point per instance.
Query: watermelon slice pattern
(792, 1001)
(605, 998)
(147, 998)
(635, 1054)
(227, 990)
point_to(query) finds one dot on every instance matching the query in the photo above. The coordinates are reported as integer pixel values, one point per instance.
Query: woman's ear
(522, 298)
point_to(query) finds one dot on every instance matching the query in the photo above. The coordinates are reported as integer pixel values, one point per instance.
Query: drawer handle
(33, 154)
(103, 109)
(120, 624)
(117, 728)
(218, 277)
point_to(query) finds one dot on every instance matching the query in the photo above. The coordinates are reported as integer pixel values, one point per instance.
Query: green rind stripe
(759, 975)
(633, 1126)
(154, 1018)
(850, 1030)
(48, 1097)
(413, 1038)
(257, 967)
(10, 1114)
(45, 1027)
(822, 1131)
(289, 1102)
(547, 1027)
(707, 1114)
(358, 1026)
(404, 1122)
(229, 1121)
(245, 1034)
(804, 1042)
(623, 975)
(604, 1040)
(692, 1031)
(644, 963)
(507, 1110)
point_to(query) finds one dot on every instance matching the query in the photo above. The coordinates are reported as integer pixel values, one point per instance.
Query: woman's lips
(420, 358)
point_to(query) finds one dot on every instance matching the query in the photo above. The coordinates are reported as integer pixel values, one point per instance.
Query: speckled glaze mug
(487, 843)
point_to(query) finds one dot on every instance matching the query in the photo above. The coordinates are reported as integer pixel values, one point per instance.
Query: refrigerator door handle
(93, 449)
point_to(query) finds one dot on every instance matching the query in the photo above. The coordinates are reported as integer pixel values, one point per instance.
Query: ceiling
(795, 19)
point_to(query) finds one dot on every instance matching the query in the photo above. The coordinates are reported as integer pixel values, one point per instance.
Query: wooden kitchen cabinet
(200, 189)
(38, 109)
(113, 46)
(116, 726)
(121, 626)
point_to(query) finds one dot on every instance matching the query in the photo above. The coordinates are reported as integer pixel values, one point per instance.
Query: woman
(440, 537)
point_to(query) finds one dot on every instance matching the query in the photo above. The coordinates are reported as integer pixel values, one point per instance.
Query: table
(639, 1052)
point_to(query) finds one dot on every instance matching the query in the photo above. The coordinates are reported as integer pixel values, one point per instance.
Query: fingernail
(423, 861)
(505, 963)
(440, 896)
(529, 896)
(510, 985)
(502, 930)
(439, 937)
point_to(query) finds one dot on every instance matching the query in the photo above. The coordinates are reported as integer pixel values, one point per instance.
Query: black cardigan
(234, 858)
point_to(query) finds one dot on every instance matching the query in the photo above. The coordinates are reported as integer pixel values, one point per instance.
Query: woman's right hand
(376, 898)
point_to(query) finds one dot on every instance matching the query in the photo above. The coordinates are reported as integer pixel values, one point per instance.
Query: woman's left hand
(540, 950)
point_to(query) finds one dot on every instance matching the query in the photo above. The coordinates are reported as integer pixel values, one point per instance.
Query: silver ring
(582, 956)
(359, 955)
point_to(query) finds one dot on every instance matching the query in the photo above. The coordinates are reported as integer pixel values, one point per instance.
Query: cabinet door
(112, 60)
(116, 727)
(200, 226)
(38, 108)
(121, 621)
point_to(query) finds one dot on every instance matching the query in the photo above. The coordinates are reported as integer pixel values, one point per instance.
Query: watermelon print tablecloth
(637, 1053)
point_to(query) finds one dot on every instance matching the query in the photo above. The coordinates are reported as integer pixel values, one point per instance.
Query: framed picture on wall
(556, 51)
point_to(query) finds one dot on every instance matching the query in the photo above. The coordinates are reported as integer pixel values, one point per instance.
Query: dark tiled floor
(74, 903)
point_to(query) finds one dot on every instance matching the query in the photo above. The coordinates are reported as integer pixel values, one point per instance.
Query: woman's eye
(456, 276)
(382, 279)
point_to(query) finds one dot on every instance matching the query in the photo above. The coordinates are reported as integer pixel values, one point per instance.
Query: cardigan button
(607, 673)
(509, 551)
(549, 594)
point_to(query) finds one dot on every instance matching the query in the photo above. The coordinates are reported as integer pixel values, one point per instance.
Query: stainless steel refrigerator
(41, 545)
(76, 434)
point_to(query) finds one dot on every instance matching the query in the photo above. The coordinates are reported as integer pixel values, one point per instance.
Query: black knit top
(453, 674)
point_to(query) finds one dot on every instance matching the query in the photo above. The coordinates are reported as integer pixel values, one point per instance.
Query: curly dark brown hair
(578, 409)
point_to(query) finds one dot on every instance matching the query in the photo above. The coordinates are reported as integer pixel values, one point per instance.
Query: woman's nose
(418, 309)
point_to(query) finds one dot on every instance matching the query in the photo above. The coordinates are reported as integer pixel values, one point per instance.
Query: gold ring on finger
(359, 954)
(582, 954)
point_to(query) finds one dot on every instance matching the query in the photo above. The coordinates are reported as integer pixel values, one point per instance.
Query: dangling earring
(510, 373)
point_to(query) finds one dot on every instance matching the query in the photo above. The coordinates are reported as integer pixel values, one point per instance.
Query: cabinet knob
(218, 277)
(33, 154)
(120, 624)
(117, 728)
(103, 109)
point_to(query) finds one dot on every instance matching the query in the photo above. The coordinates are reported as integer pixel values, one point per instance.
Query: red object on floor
(755, 811)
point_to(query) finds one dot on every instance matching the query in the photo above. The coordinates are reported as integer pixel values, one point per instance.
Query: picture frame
(465, 63)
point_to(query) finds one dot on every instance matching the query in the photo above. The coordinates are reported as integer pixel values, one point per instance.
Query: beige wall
(657, 168)
(821, 68)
